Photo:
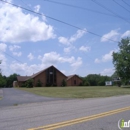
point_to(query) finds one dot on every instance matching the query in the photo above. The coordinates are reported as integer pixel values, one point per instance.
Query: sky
(77, 39)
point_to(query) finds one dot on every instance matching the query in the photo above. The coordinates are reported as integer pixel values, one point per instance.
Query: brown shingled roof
(25, 78)
(70, 76)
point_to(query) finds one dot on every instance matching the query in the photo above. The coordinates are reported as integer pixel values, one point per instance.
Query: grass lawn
(78, 92)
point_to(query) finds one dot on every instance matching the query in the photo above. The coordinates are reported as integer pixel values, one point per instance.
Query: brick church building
(51, 76)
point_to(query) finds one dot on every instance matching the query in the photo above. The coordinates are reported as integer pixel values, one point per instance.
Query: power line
(13, 57)
(110, 10)
(121, 6)
(79, 7)
(126, 3)
(58, 20)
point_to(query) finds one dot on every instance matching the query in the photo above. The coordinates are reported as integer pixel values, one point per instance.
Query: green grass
(78, 92)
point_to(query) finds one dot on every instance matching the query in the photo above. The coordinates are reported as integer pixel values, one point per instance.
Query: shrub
(63, 83)
(29, 83)
(39, 83)
(23, 85)
(86, 83)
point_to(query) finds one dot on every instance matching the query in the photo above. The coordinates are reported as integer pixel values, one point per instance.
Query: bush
(29, 83)
(80, 84)
(23, 85)
(86, 83)
(48, 84)
(39, 83)
(63, 83)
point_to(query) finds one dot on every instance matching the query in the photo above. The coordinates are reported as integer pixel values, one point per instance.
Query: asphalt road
(12, 96)
(35, 115)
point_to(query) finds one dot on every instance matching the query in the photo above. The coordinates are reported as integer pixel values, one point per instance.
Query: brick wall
(74, 81)
(60, 78)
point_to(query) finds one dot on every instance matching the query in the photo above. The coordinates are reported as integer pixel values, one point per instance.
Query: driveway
(12, 96)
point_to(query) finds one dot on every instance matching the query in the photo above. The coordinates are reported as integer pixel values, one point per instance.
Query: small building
(108, 83)
(50, 76)
(73, 80)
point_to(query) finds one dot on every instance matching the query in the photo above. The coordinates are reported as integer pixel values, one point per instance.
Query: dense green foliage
(63, 83)
(2, 81)
(39, 83)
(121, 60)
(28, 84)
(95, 80)
(7, 81)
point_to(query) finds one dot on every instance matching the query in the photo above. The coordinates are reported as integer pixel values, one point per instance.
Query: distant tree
(86, 83)
(2, 81)
(121, 60)
(95, 80)
(11, 79)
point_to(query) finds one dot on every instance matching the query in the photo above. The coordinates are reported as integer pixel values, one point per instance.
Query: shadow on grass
(125, 86)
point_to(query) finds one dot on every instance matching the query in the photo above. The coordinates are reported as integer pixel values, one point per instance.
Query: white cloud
(30, 56)
(17, 54)
(17, 26)
(126, 34)
(85, 48)
(14, 47)
(37, 8)
(105, 58)
(68, 41)
(54, 58)
(24, 68)
(3, 47)
(64, 40)
(113, 35)
(107, 72)
(77, 63)
(69, 49)
(97, 60)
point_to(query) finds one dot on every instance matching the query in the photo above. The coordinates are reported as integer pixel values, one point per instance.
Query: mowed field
(79, 92)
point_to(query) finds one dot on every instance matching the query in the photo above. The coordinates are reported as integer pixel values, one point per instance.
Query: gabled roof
(71, 76)
(25, 78)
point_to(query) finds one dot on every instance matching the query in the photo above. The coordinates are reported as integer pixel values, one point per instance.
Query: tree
(121, 60)
(11, 79)
(2, 81)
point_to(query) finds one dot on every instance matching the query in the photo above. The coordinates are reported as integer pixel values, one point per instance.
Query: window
(51, 76)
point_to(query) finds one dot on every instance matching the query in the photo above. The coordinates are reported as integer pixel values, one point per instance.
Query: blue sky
(38, 42)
